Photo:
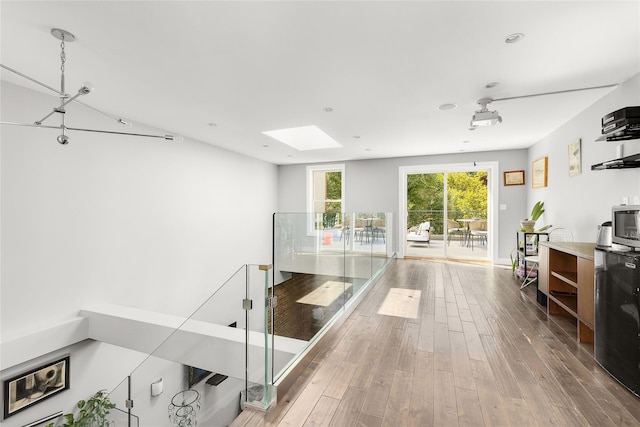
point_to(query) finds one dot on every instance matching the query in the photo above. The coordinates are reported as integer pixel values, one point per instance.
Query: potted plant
(528, 224)
(91, 413)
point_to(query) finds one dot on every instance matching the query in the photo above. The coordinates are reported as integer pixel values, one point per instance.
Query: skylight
(304, 138)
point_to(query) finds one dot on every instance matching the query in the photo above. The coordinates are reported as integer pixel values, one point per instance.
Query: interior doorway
(449, 211)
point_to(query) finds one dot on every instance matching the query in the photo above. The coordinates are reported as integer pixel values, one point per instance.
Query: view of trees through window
(327, 197)
(466, 191)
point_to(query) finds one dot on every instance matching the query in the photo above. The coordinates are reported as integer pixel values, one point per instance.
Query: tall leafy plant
(90, 413)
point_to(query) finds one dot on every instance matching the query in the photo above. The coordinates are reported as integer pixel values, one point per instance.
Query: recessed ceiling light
(491, 85)
(265, 145)
(212, 124)
(465, 142)
(513, 38)
(327, 109)
(304, 138)
(368, 149)
(445, 107)
(356, 136)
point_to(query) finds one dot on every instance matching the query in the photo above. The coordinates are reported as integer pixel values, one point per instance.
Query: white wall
(372, 186)
(582, 202)
(141, 222)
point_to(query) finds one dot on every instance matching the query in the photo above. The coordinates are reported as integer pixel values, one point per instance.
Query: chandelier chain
(63, 56)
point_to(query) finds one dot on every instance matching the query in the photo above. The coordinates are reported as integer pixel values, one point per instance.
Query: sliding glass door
(447, 212)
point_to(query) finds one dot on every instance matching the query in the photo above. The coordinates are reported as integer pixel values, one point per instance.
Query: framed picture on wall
(34, 386)
(514, 177)
(539, 172)
(575, 158)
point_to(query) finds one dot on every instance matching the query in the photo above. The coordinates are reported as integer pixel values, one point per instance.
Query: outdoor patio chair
(421, 234)
(478, 230)
(453, 229)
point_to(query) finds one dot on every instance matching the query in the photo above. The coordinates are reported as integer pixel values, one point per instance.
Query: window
(325, 195)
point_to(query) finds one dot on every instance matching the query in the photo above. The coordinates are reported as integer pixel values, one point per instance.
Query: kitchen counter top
(579, 249)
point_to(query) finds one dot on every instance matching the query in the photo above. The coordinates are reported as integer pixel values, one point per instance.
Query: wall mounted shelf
(627, 162)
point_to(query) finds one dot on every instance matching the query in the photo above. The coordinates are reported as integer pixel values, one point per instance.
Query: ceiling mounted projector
(484, 117)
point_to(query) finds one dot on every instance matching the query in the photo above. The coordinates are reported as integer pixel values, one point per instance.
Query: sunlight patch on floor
(326, 294)
(401, 302)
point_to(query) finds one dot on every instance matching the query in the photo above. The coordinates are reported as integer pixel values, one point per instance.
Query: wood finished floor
(480, 353)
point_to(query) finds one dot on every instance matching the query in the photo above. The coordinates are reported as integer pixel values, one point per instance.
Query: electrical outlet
(636, 200)
(625, 200)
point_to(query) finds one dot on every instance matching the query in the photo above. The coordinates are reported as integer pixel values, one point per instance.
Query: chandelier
(65, 98)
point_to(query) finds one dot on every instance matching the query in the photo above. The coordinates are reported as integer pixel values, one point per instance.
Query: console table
(565, 276)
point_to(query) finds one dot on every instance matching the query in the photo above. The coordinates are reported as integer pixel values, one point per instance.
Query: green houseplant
(90, 413)
(528, 224)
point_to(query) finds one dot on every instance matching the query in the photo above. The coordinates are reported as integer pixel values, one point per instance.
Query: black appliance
(617, 315)
(622, 124)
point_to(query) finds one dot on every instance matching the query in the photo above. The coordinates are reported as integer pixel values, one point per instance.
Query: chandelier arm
(31, 79)
(59, 109)
(554, 93)
(117, 119)
(166, 137)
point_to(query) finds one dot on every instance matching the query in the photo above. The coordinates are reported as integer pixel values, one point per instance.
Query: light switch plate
(625, 200)
(636, 200)
(503, 207)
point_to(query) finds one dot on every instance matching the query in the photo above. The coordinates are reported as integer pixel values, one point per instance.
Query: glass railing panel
(257, 391)
(201, 368)
(118, 417)
(318, 270)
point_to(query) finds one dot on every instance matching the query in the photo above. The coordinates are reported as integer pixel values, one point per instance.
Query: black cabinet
(617, 315)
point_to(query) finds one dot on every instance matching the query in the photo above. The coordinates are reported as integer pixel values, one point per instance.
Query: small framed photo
(575, 160)
(539, 172)
(514, 177)
(29, 388)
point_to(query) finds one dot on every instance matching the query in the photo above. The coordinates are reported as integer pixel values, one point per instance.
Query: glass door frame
(493, 187)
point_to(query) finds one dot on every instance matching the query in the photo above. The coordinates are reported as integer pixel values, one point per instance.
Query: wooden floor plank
(322, 412)
(469, 412)
(421, 405)
(396, 413)
(445, 408)
(349, 408)
(340, 380)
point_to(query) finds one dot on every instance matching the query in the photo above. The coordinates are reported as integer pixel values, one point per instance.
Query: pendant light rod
(31, 79)
(117, 119)
(176, 138)
(554, 93)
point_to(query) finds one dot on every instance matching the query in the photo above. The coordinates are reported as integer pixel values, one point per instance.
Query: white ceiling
(384, 67)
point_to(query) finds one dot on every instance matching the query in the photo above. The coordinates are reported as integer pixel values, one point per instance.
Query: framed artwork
(29, 388)
(42, 422)
(539, 172)
(575, 158)
(514, 177)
